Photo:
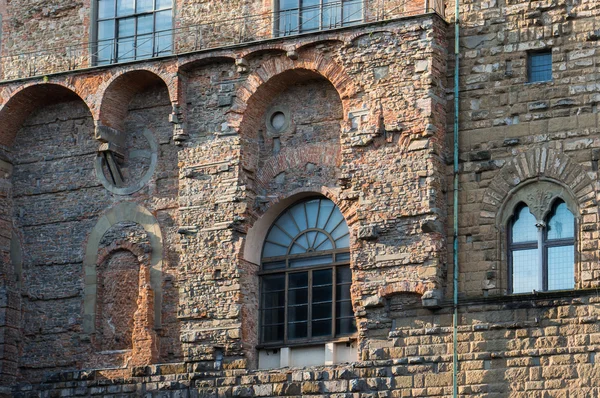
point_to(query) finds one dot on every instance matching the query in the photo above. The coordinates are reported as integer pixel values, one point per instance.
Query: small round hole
(278, 121)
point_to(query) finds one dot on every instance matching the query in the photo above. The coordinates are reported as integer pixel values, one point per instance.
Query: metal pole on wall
(455, 202)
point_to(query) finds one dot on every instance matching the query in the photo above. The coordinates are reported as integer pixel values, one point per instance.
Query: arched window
(305, 276)
(541, 255)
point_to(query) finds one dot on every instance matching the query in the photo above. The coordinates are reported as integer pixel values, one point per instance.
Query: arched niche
(132, 212)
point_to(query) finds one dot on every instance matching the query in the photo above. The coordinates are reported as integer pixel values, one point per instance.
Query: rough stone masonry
(136, 199)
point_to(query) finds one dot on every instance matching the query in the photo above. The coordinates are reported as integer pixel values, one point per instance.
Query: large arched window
(305, 276)
(541, 254)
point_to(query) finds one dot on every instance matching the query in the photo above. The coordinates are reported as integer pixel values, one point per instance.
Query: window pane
(561, 267)
(322, 293)
(160, 4)
(273, 299)
(310, 15)
(145, 24)
(273, 250)
(106, 9)
(286, 224)
(298, 313)
(332, 13)
(126, 27)
(144, 5)
(273, 283)
(321, 310)
(105, 52)
(274, 316)
(342, 257)
(540, 66)
(298, 279)
(106, 29)
(312, 210)
(164, 21)
(323, 277)
(288, 22)
(344, 275)
(274, 265)
(321, 328)
(342, 292)
(126, 49)
(526, 271)
(288, 4)
(164, 42)
(561, 224)
(524, 229)
(352, 11)
(298, 330)
(345, 326)
(124, 7)
(343, 309)
(272, 333)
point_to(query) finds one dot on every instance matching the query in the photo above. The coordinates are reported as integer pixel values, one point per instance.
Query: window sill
(307, 343)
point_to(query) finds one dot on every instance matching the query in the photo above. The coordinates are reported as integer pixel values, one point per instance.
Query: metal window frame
(542, 244)
(114, 57)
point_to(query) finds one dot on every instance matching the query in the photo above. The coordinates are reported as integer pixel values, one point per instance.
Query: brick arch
(293, 158)
(264, 49)
(117, 93)
(541, 163)
(26, 100)
(314, 41)
(274, 75)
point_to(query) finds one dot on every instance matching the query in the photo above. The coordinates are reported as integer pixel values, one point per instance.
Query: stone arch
(537, 164)
(305, 45)
(26, 100)
(126, 211)
(122, 88)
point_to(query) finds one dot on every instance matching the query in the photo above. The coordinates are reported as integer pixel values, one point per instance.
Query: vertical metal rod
(455, 204)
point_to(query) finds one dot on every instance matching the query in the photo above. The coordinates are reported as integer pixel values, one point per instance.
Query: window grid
(300, 16)
(305, 256)
(539, 66)
(547, 263)
(133, 29)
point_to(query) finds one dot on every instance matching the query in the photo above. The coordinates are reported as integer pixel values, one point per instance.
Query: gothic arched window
(541, 254)
(305, 276)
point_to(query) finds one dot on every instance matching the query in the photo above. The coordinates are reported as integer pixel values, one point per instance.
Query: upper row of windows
(127, 30)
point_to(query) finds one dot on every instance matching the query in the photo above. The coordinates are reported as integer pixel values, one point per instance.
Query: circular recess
(277, 120)
(126, 170)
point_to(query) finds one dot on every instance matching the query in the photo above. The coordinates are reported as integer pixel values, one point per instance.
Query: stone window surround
(539, 196)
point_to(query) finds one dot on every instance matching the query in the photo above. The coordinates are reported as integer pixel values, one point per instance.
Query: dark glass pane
(273, 283)
(540, 66)
(298, 330)
(299, 313)
(272, 333)
(561, 267)
(561, 224)
(342, 257)
(323, 277)
(526, 271)
(273, 299)
(322, 293)
(321, 310)
(321, 328)
(342, 292)
(124, 7)
(144, 5)
(523, 227)
(106, 9)
(343, 274)
(298, 279)
(275, 315)
(344, 309)
(308, 261)
(106, 29)
(298, 296)
(345, 326)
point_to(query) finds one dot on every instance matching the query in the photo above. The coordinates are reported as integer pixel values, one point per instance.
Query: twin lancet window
(541, 255)
(305, 276)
